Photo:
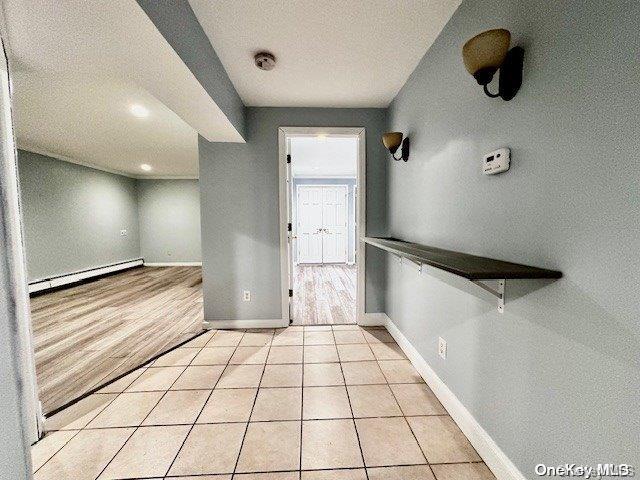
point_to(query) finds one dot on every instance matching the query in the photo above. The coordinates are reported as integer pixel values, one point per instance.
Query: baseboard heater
(76, 277)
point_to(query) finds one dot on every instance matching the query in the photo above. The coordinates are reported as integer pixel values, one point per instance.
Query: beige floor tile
(400, 371)
(121, 384)
(320, 354)
(85, 455)
(232, 405)
(78, 415)
(241, 376)
(200, 377)
(277, 404)
(373, 401)
(319, 337)
(388, 441)
(355, 353)
(463, 471)
(282, 355)
(441, 440)
(148, 453)
(46, 447)
(387, 351)
(413, 472)
(344, 337)
(200, 341)
(128, 410)
(287, 337)
(377, 335)
(282, 376)
(152, 379)
(266, 476)
(249, 356)
(270, 446)
(209, 449)
(352, 474)
(317, 328)
(362, 373)
(226, 338)
(202, 477)
(329, 444)
(322, 374)
(213, 356)
(180, 406)
(351, 326)
(256, 339)
(176, 358)
(417, 399)
(325, 403)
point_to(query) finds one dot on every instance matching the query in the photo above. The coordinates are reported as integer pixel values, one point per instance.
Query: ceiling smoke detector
(265, 61)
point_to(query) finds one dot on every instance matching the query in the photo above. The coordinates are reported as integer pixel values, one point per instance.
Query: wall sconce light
(489, 51)
(392, 141)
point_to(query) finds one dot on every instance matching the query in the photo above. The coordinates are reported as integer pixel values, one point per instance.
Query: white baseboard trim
(493, 456)
(75, 277)
(172, 264)
(239, 324)
(373, 320)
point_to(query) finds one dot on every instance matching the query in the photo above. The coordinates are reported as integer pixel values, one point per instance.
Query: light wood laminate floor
(324, 294)
(91, 333)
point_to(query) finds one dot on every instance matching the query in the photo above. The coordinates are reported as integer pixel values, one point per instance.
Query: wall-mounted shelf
(472, 267)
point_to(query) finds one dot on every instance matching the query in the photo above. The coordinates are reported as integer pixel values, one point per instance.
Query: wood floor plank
(91, 333)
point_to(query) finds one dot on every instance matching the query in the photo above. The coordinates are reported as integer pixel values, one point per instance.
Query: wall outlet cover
(123, 233)
(246, 296)
(442, 348)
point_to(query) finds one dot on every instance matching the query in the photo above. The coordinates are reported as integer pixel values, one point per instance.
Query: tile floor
(304, 403)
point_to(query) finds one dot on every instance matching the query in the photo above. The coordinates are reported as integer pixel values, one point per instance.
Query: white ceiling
(77, 68)
(330, 53)
(324, 156)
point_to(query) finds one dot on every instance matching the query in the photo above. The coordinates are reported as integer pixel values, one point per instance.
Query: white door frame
(344, 185)
(285, 211)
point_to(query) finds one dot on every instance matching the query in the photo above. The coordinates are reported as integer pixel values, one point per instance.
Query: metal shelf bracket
(498, 292)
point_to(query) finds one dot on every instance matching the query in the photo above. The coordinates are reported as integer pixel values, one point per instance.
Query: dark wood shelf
(468, 266)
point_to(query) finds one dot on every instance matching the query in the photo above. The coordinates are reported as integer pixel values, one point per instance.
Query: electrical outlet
(123, 233)
(442, 348)
(246, 296)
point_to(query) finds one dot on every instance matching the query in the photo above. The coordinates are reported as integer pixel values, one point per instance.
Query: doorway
(322, 198)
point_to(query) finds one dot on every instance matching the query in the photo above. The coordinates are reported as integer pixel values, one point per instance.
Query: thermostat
(497, 161)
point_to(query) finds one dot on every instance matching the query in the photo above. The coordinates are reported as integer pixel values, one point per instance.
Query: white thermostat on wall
(497, 161)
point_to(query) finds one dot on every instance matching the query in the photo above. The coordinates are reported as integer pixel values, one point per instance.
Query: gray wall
(351, 210)
(239, 209)
(73, 216)
(169, 216)
(555, 378)
(177, 23)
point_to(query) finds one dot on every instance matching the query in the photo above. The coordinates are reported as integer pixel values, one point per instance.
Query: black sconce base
(404, 151)
(510, 75)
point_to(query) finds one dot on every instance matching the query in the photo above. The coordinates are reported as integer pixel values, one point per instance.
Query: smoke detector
(265, 61)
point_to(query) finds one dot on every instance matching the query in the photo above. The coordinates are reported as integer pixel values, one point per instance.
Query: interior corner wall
(73, 216)
(555, 378)
(240, 216)
(169, 217)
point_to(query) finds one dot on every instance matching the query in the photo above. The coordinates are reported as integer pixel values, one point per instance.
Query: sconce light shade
(393, 140)
(484, 54)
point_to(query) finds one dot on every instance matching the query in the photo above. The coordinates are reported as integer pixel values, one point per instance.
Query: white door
(322, 224)
(334, 224)
(309, 229)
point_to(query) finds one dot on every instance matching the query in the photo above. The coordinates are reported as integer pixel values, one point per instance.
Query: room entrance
(323, 201)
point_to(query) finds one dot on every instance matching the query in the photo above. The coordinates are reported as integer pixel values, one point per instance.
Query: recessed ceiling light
(146, 167)
(138, 111)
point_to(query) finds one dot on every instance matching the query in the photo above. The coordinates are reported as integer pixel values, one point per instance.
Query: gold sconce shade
(392, 140)
(484, 54)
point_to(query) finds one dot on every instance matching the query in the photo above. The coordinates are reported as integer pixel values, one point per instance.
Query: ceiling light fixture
(138, 111)
(392, 141)
(489, 51)
(146, 167)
